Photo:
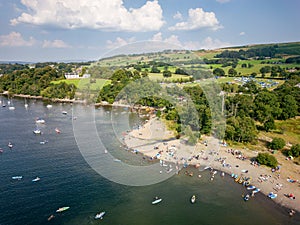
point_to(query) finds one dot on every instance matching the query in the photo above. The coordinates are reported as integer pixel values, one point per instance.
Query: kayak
(251, 187)
(62, 209)
(272, 195)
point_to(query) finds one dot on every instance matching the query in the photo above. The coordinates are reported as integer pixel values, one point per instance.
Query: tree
(154, 69)
(276, 144)
(167, 73)
(294, 151)
(219, 72)
(267, 159)
(232, 72)
(269, 125)
(240, 129)
(289, 107)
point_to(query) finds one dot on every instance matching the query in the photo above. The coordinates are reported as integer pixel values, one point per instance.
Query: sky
(82, 30)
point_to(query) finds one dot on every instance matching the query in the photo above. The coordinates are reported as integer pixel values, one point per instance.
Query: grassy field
(175, 77)
(85, 83)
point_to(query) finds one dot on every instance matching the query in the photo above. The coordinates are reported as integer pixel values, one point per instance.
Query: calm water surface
(67, 180)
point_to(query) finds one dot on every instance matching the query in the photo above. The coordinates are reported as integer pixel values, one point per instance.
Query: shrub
(294, 151)
(267, 159)
(276, 144)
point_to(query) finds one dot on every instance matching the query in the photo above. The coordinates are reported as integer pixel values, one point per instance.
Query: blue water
(67, 180)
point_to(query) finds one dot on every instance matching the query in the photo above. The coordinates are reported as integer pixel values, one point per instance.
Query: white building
(76, 76)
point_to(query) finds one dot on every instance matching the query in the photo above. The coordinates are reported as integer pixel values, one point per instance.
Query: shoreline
(84, 102)
(153, 140)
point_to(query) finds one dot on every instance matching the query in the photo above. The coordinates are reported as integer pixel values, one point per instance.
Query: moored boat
(156, 201)
(40, 121)
(272, 195)
(37, 131)
(57, 130)
(256, 190)
(36, 179)
(100, 215)
(62, 209)
(10, 145)
(251, 187)
(193, 199)
(246, 197)
(17, 177)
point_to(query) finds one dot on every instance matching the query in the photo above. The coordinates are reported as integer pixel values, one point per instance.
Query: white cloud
(119, 42)
(178, 16)
(55, 44)
(172, 40)
(198, 19)
(92, 14)
(157, 37)
(209, 43)
(223, 1)
(15, 39)
(242, 33)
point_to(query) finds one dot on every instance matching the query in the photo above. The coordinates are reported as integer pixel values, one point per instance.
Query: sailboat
(11, 107)
(26, 105)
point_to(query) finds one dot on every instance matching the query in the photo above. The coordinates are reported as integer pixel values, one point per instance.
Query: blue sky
(57, 30)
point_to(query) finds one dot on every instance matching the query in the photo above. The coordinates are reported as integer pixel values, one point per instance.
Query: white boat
(40, 121)
(11, 106)
(156, 201)
(17, 177)
(100, 215)
(25, 104)
(193, 199)
(64, 112)
(57, 130)
(37, 131)
(49, 106)
(251, 187)
(10, 145)
(62, 209)
(36, 179)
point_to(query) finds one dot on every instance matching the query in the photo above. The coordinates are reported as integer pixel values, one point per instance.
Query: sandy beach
(153, 140)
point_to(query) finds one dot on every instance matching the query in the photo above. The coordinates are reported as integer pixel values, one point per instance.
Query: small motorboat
(193, 199)
(49, 106)
(37, 131)
(17, 177)
(36, 179)
(62, 209)
(156, 201)
(10, 145)
(11, 108)
(64, 112)
(246, 197)
(40, 121)
(57, 130)
(1, 150)
(100, 215)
